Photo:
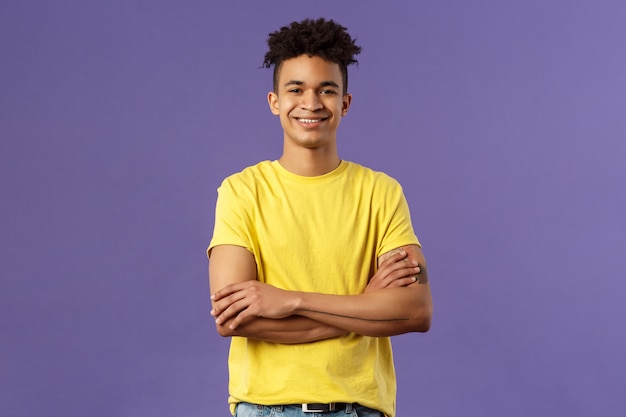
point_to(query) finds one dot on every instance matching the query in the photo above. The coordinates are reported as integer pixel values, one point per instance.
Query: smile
(310, 120)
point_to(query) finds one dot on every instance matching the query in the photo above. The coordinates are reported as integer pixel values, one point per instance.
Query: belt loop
(349, 408)
(278, 408)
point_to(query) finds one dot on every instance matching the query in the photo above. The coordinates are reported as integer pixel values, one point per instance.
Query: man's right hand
(394, 270)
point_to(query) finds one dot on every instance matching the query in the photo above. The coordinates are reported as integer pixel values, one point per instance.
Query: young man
(313, 261)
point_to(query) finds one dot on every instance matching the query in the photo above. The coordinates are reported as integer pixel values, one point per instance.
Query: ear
(347, 100)
(272, 100)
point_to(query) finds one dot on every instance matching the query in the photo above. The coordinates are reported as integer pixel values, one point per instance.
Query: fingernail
(212, 312)
(212, 296)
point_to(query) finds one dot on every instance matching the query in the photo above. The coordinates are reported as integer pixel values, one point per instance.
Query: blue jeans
(254, 410)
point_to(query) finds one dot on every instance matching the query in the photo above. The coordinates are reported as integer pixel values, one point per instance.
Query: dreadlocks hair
(324, 38)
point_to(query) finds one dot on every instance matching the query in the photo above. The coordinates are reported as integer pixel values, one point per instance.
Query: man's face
(310, 102)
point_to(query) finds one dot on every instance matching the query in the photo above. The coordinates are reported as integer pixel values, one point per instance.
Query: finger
(230, 289)
(401, 273)
(399, 266)
(224, 292)
(403, 282)
(395, 257)
(231, 312)
(220, 306)
(241, 318)
(388, 273)
(244, 315)
(393, 262)
(406, 272)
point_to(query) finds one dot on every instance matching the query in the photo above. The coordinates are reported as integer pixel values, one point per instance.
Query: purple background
(505, 122)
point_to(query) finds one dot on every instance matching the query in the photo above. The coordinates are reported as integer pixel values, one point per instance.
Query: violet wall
(505, 121)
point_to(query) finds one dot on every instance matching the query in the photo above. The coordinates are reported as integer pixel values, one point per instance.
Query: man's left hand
(245, 301)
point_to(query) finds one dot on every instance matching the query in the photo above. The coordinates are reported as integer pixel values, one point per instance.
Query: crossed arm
(397, 300)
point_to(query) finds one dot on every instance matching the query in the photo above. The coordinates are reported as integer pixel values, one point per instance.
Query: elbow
(421, 322)
(422, 316)
(224, 330)
(423, 325)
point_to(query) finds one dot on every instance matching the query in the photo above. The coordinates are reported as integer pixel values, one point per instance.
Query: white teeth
(310, 120)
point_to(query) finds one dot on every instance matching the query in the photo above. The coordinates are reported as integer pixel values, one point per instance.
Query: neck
(310, 162)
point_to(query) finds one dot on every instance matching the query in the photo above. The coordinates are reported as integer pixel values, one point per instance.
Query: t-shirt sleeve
(398, 229)
(232, 221)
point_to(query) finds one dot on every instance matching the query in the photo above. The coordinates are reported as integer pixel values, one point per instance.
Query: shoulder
(250, 173)
(377, 179)
(249, 176)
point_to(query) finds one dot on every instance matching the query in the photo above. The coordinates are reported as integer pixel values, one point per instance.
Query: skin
(310, 104)
(309, 88)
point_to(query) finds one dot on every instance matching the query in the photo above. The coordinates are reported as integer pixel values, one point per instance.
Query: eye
(327, 92)
(295, 90)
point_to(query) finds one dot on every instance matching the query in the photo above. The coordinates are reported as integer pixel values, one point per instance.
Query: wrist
(297, 302)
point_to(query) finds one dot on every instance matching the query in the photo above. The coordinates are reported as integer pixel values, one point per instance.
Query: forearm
(385, 312)
(290, 330)
(377, 312)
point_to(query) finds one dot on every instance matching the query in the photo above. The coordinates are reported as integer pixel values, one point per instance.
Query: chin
(313, 144)
(312, 141)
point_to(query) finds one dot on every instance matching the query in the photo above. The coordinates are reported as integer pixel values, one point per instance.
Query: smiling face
(310, 102)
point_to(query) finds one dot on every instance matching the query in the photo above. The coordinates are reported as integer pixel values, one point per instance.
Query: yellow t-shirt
(315, 234)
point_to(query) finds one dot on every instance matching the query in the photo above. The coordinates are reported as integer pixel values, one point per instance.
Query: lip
(310, 121)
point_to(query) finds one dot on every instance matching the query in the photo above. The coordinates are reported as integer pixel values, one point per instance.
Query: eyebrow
(322, 84)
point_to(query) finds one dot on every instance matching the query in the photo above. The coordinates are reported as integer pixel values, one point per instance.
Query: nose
(310, 101)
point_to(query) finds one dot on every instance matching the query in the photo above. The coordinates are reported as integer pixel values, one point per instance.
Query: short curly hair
(321, 37)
